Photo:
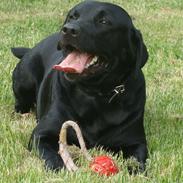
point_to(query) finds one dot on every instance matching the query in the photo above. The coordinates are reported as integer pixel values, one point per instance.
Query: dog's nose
(71, 29)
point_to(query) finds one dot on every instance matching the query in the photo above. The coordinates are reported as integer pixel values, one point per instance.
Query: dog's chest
(98, 119)
(92, 109)
(95, 116)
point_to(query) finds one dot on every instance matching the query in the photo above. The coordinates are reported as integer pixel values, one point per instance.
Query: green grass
(25, 22)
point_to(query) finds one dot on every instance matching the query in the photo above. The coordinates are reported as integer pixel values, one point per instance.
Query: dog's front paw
(22, 108)
(54, 163)
(136, 168)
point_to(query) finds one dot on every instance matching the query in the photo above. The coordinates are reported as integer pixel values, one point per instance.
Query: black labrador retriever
(89, 72)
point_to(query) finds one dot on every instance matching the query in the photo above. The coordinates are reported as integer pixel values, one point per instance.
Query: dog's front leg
(45, 140)
(140, 153)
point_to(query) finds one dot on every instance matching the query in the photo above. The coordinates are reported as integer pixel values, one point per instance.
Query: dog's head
(100, 41)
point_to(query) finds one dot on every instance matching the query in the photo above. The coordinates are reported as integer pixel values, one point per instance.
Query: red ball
(104, 165)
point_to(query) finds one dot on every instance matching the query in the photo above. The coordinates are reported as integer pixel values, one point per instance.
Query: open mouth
(78, 62)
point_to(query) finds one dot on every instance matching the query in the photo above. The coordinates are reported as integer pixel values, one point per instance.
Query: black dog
(90, 72)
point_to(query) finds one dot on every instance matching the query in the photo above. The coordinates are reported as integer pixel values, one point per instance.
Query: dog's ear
(19, 52)
(138, 48)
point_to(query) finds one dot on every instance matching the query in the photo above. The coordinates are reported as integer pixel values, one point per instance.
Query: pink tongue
(75, 62)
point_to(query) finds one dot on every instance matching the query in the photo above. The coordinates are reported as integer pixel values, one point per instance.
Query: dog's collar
(113, 93)
(118, 90)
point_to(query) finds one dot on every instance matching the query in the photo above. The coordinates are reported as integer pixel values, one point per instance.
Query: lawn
(26, 22)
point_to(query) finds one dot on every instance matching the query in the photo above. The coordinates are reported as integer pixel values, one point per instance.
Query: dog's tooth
(94, 60)
(87, 65)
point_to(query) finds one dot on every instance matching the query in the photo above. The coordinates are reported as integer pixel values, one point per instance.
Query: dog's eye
(103, 21)
(74, 16)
